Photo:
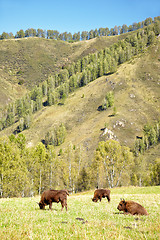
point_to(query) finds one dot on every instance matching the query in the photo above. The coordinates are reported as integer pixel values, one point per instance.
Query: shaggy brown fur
(50, 196)
(131, 207)
(101, 193)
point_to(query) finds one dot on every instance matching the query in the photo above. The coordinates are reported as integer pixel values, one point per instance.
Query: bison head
(41, 205)
(122, 205)
(94, 199)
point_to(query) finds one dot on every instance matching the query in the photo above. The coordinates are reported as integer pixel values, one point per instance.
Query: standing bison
(131, 207)
(101, 193)
(50, 196)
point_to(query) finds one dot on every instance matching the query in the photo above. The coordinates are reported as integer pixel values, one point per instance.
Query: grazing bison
(50, 196)
(131, 207)
(101, 193)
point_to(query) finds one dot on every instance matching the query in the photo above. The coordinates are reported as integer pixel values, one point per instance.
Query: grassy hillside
(26, 62)
(136, 87)
(21, 218)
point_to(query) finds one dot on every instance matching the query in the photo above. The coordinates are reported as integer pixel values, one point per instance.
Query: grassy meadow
(21, 218)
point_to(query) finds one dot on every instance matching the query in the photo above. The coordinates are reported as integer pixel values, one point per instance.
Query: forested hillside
(25, 63)
(89, 113)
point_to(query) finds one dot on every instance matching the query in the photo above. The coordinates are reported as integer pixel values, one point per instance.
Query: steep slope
(136, 87)
(26, 62)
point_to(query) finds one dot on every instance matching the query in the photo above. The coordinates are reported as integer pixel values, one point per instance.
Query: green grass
(21, 218)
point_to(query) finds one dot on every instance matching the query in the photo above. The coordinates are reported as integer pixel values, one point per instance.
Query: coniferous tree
(100, 68)
(151, 37)
(20, 34)
(72, 83)
(27, 121)
(155, 172)
(110, 99)
(40, 33)
(63, 75)
(115, 30)
(105, 66)
(124, 28)
(113, 66)
(71, 69)
(89, 75)
(96, 34)
(84, 78)
(4, 35)
(19, 108)
(157, 27)
(50, 138)
(122, 57)
(60, 133)
(148, 21)
(49, 98)
(84, 35)
(44, 88)
(78, 66)
(21, 124)
(91, 34)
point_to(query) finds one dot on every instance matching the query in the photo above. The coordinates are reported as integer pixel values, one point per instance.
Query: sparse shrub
(107, 102)
(57, 136)
(114, 111)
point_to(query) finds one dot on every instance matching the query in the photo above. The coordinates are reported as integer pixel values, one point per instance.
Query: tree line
(151, 136)
(85, 35)
(77, 74)
(27, 172)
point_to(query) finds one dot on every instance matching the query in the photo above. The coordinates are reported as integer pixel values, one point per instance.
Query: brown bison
(101, 193)
(131, 207)
(50, 196)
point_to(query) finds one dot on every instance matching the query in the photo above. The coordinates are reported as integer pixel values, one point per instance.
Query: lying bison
(101, 193)
(131, 207)
(50, 196)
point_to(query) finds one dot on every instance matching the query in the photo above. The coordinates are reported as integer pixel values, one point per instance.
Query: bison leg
(109, 199)
(50, 206)
(64, 204)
